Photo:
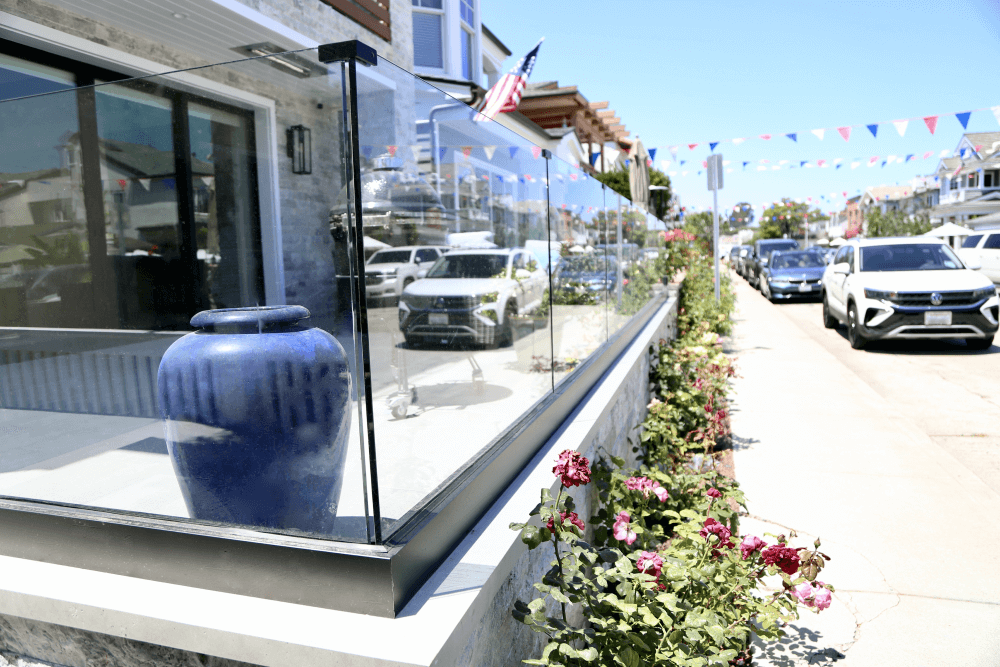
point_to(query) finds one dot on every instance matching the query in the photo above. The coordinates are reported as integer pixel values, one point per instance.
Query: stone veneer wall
(501, 641)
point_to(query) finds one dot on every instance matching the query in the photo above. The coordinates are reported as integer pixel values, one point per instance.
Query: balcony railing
(475, 282)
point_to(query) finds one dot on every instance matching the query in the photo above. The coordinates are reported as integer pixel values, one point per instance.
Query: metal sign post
(715, 184)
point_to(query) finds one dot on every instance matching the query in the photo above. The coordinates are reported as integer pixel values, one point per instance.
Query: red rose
(785, 558)
(572, 468)
(571, 517)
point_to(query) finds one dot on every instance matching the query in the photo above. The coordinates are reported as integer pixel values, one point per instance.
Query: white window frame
(445, 34)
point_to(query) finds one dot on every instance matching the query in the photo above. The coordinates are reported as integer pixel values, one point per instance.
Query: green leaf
(635, 639)
(531, 536)
(629, 657)
(589, 654)
(716, 632)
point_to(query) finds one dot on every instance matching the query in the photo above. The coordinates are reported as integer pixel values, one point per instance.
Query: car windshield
(469, 266)
(768, 248)
(390, 257)
(797, 260)
(589, 264)
(909, 257)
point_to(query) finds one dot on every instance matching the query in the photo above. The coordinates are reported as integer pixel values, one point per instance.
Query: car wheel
(829, 321)
(407, 283)
(854, 336)
(411, 342)
(507, 330)
(979, 343)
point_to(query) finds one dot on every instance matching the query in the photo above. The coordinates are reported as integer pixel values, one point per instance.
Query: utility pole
(715, 184)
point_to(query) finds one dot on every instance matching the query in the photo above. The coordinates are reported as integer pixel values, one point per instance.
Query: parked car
(984, 249)
(472, 296)
(761, 249)
(745, 251)
(596, 273)
(891, 288)
(792, 274)
(390, 270)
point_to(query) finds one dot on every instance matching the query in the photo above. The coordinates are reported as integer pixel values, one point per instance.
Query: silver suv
(390, 270)
(472, 296)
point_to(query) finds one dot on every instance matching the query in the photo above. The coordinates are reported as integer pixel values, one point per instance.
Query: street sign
(715, 171)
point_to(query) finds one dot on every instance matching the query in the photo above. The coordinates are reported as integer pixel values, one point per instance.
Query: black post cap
(350, 50)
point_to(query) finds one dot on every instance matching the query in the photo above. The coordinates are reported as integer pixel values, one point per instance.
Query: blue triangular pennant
(883, 162)
(803, 163)
(628, 162)
(441, 154)
(652, 153)
(839, 166)
(908, 157)
(593, 158)
(682, 162)
(513, 151)
(745, 165)
(873, 129)
(712, 145)
(793, 136)
(963, 118)
(367, 150)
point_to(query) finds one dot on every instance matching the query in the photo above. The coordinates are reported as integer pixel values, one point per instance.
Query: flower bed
(663, 578)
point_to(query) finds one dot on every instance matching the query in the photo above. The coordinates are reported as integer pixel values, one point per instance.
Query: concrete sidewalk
(913, 534)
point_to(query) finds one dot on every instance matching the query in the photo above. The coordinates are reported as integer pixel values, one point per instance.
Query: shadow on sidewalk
(799, 646)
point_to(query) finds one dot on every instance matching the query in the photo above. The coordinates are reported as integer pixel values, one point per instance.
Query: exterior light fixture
(280, 59)
(300, 148)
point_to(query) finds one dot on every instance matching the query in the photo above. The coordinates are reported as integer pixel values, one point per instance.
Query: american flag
(505, 94)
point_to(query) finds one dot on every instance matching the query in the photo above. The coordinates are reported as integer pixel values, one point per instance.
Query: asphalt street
(892, 456)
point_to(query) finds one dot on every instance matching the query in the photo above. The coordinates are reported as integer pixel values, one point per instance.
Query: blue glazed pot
(257, 411)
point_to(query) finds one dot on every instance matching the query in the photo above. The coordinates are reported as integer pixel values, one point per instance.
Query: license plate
(437, 318)
(938, 318)
(805, 287)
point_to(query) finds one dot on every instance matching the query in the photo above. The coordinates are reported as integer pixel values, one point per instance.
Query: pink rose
(650, 562)
(660, 492)
(750, 544)
(622, 528)
(813, 594)
(713, 527)
(634, 483)
(713, 493)
(572, 468)
(563, 518)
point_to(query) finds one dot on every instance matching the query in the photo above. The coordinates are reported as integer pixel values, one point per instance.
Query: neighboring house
(970, 181)
(918, 196)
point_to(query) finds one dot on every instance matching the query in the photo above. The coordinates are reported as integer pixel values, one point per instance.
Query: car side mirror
(764, 262)
(416, 260)
(973, 262)
(422, 273)
(522, 274)
(843, 268)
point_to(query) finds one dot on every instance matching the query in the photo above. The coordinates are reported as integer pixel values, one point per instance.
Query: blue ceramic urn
(256, 407)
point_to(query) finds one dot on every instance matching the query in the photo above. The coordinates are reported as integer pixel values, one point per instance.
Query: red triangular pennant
(931, 122)
(845, 132)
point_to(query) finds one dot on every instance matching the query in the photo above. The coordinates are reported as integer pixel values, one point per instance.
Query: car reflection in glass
(792, 275)
(472, 296)
(594, 273)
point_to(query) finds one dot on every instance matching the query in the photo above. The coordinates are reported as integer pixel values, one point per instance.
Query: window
(467, 58)
(972, 178)
(428, 33)
(426, 255)
(468, 13)
(993, 241)
(991, 179)
(971, 241)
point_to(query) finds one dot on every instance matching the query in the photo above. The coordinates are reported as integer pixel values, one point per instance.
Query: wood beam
(598, 105)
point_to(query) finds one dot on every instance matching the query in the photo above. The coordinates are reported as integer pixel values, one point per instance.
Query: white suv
(390, 270)
(472, 295)
(983, 248)
(915, 287)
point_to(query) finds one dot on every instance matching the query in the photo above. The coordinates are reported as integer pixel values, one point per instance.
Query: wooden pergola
(550, 106)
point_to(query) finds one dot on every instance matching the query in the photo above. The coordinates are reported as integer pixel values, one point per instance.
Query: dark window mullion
(185, 203)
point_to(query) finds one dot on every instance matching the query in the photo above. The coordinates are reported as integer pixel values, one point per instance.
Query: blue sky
(679, 72)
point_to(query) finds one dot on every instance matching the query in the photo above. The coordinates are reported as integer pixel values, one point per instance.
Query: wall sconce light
(300, 148)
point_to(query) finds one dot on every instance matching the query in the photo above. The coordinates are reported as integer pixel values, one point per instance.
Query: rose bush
(665, 578)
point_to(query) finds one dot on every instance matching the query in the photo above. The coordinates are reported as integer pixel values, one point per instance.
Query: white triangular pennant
(208, 180)
(144, 182)
(819, 134)
(416, 153)
(900, 126)
(489, 150)
(996, 113)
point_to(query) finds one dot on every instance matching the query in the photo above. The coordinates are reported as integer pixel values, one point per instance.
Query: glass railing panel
(627, 233)
(580, 280)
(125, 209)
(456, 206)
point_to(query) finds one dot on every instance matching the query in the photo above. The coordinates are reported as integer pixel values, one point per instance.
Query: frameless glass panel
(127, 207)
(580, 281)
(460, 346)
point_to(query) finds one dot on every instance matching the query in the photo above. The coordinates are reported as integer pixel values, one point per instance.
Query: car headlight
(984, 293)
(880, 295)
